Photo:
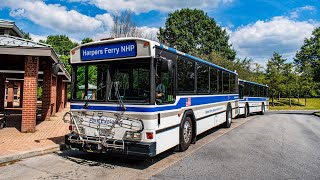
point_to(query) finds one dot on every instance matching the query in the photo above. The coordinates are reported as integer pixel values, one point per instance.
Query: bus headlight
(132, 135)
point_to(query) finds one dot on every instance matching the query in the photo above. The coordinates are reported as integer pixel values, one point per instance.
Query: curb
(315, 114)
(31, 153)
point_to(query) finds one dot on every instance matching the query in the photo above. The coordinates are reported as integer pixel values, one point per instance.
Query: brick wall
(30, 94)
(54, 96)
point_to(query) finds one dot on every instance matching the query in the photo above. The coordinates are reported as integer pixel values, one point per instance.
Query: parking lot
(278, 145)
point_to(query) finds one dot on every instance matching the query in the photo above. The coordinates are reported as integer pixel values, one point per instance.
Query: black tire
(227, 124)
(2, 124)
(246, 111)
(263, 109)
(185, 134)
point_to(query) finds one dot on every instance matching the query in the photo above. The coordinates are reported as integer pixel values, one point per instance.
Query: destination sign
(109, 51)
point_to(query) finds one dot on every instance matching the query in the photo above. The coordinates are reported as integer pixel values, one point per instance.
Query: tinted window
(203, 78)
(232, 83)
(220, 79)
(265, 92)
(246, 89)
(261, 94)
(90, 82)
(226, 82)
(213, 80)
(186, 75)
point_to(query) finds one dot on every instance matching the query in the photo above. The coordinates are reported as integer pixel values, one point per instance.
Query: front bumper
(131, 148)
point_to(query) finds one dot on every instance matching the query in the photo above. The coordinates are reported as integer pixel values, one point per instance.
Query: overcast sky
(256, 28)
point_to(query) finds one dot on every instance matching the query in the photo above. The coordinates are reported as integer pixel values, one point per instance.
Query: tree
(26, 35)
(274, 74)
(307, 83)
(309, 55)
(124, 26)
(86, 40)
(257, 74)
(61, 44)
(194, 32)
(289, 78)
(243, 68)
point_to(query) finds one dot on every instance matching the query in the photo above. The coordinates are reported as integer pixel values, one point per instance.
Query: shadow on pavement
(111, 160)
(293, 112)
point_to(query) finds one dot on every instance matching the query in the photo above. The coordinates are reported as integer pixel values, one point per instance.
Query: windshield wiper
(117, 94)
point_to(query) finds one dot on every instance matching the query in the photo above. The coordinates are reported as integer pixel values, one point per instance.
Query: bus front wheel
(227, 124)
(185, 134)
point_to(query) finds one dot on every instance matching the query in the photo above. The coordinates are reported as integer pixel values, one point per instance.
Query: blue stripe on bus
(195, 101)
(194, 58)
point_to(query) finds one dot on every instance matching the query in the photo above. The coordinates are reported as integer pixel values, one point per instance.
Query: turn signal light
(146, 44)
(149, 135)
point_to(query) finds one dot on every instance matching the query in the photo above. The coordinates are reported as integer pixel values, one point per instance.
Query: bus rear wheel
(246, 111)
(263, 109)
(185, 134)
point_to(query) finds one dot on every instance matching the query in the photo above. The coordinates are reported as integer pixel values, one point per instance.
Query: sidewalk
(15, 145)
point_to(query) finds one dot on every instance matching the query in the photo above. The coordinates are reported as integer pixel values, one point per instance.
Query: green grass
(283, 104)
(318, 113)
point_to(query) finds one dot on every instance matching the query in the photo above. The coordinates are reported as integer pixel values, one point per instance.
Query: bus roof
(154, 43)
(253, 83)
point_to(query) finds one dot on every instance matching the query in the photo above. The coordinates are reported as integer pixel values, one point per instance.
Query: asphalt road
(278, 145)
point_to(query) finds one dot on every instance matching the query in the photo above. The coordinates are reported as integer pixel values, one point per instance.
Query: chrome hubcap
(186, 131)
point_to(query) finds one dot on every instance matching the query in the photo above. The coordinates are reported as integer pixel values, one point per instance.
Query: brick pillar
(63, 92)
(46, 92)
(59, 93)
(29, 107)
(54, 96)
(10, 98)
(21, 94)
(2, 91)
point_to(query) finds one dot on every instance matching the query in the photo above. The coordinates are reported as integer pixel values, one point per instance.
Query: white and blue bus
(253, 97)
(141, 98)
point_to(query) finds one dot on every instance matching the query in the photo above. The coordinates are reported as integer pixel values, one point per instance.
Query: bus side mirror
(166, 65)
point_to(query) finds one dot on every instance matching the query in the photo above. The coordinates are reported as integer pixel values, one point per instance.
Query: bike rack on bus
(106, 133)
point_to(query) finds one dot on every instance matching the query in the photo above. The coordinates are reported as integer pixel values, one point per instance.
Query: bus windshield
(130, 77)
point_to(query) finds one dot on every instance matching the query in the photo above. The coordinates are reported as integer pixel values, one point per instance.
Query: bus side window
(241, 91)
(226, 85)
(202, 78)
(220, 78)
(213, 80)
(232, 84)
(186, 76)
